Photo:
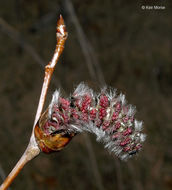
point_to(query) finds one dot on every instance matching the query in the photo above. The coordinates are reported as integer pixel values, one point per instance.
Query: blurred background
(110, 42)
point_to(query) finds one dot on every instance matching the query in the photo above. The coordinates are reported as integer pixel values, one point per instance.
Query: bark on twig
(33, 150)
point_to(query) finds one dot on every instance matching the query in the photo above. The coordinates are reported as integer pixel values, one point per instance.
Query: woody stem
(33, 150)
(28, 155)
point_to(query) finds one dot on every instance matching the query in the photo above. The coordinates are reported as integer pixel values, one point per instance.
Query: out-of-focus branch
(17, 37)
(94, 162)
(119, 174)
(135, 176)
(43, 23)
(2, 174)
(87, 49)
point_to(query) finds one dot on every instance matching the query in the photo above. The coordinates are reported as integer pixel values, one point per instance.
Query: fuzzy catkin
(106, 115)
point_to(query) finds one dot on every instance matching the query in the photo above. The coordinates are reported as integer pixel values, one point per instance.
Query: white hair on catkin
(54, 101)
(107, 115)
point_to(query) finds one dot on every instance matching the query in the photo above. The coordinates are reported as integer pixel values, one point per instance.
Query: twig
(61, 38)
(33, 150)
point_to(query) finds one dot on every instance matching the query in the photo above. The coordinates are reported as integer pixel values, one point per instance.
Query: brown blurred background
(112, 42)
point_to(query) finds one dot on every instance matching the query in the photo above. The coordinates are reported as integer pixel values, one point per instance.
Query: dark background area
(129, 48)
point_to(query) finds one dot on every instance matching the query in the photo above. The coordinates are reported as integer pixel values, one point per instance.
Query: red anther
(74, 114)
(125, 109)
(102, 113)
(105, 125)
(125, 119)
(127, 131)
(132, 119)
(118, 107)
(104, 128)
(56, 108)
(64, 103)
(116, 136)
(93, 114)
(115, 116)
(104, 102)
(125, 142)
(126, 149)
(86, 103)
(117, 125)
(138, 147)
(77, 103)
(85, 117)
(50, 123)
(98, 122)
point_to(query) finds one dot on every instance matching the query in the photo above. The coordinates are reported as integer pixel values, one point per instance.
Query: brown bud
(52, 142)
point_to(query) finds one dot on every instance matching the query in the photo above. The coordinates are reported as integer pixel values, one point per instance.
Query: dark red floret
(85, 117)
(64, 103)
(117, 125)
(125, 119)
(127, 131)
(125, 142)
(105, 125)
(138, 147)
(102, 113)
(116, 136)
(93, 114)
(98, 122)
(115, 116)
(126, 149)
(104, 102)
(86, 103)
(74, 114)
(118, 107)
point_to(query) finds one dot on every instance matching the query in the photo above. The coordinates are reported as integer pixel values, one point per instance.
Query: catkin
(107, 115)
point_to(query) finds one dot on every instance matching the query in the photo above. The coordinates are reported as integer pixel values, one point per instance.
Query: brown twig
(61, 35)
(33, 150)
